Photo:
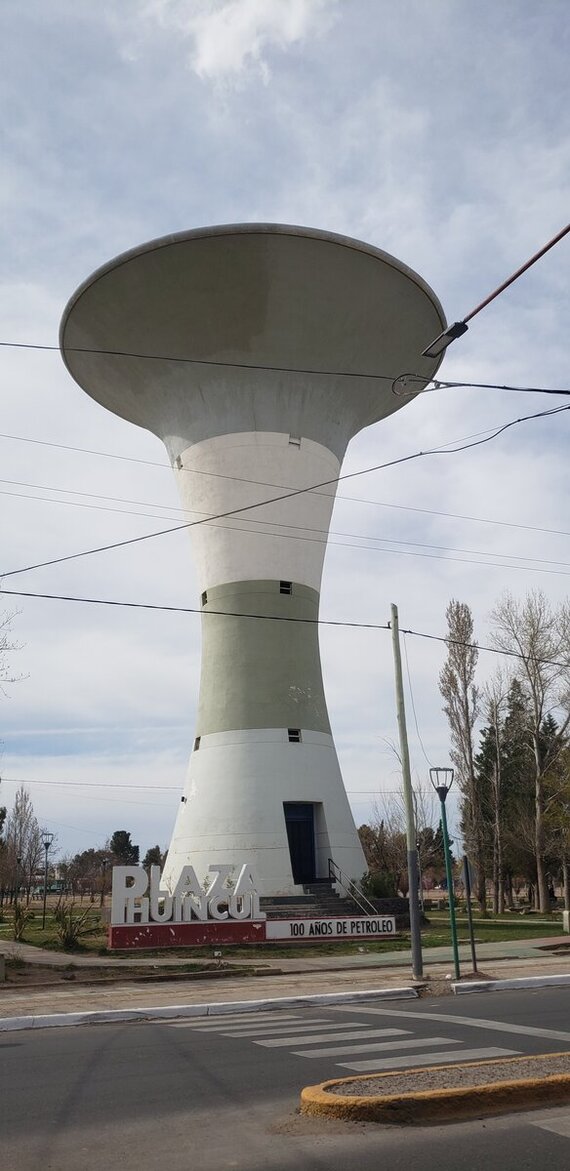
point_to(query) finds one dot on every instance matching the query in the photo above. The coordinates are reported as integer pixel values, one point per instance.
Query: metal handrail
(351, 889)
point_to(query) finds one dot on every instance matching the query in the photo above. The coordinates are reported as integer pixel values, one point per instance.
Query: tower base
(286, 812)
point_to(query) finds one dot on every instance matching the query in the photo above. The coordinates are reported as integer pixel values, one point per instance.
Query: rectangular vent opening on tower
(294, 735)
(205, 598)
(197, 743)
(285, 587)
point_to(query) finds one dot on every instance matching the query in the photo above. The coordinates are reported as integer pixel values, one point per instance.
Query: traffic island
(444, 1093)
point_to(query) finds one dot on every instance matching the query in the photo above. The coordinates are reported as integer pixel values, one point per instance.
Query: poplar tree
(461, 705)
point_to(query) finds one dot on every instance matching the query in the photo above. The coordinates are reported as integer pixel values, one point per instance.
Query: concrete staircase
(320, 900)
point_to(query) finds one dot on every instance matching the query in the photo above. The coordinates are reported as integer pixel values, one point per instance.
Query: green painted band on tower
(258, 672)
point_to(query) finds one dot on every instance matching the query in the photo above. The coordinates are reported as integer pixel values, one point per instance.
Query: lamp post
(17, 890)
(442, 780)
(103, 873)
(47, 839)
(443, 340)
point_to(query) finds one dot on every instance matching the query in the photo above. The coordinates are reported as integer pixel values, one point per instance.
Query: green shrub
(71, 926)
(22, 916)
(379, 885)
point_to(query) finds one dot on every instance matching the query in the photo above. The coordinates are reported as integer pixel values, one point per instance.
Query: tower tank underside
(248, 349)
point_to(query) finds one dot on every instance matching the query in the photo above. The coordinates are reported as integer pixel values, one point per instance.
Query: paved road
(217, 1094)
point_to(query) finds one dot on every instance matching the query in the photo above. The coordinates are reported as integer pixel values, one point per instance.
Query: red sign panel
(216, 932)
(151, 935)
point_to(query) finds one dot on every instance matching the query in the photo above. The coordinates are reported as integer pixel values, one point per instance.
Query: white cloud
(230, 37)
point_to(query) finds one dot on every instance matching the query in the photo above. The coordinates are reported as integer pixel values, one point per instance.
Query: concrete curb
(449, 1105)
(178, 1011)
(559, 981)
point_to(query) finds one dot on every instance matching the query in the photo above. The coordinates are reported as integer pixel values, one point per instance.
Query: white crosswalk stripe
(376, 1046)
(443, 1058)
(557, 1122)
(323, 1038)
(243, 1030)
(344, 1036)
(221, 1020)
(274, 1031)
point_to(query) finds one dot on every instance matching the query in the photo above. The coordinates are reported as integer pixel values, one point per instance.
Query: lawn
(436, 933)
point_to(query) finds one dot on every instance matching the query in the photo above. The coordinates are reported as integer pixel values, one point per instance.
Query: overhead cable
(278, 618)
(264, 484)
(437, 384)
(320, 536)
(287, 495)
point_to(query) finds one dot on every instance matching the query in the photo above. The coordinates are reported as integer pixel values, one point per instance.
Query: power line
(192, 610)
(189, 468)
(80, 784)
(200, 361)
(413, 703)
(281, 618)
(479, 647)
(438, 384)
(91, 785)
(400, 384)
(287, 495)
(76, 828)
(90, 451)
(162, 789)
(265, 484)
(323, 536)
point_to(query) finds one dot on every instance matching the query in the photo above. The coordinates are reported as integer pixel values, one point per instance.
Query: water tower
(248, 350)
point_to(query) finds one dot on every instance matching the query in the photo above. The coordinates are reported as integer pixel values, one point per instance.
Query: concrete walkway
(303, 977)
(510, 949)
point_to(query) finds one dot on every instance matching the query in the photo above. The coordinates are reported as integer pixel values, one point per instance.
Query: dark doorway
(300, 822)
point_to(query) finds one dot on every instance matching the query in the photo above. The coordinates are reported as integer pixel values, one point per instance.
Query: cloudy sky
(438, 132)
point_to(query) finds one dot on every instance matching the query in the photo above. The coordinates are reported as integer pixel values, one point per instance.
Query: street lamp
(47, 839)
(443, 340)
(103, 873)
(442, 780)
(17, 890)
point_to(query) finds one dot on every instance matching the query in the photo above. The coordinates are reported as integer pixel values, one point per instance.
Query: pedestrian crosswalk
(557, 1122)
(344, 1042)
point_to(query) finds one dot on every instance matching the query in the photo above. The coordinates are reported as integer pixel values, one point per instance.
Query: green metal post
(449, 873)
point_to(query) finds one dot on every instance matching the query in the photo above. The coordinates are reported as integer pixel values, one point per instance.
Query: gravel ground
(452, 1077)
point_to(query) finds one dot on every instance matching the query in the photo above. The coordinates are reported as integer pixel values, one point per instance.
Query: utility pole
(411, 840)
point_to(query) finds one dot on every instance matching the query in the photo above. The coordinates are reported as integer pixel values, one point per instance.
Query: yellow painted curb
(440, 1105)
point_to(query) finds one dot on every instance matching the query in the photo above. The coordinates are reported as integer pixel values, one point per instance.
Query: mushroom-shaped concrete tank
(255, 352)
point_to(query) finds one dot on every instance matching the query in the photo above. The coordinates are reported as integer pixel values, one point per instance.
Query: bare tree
(461, 706)
(7, 645)
(389, 827)
(23, 843)
(539, 637)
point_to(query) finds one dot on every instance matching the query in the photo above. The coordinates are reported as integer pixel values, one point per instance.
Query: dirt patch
(451, 1077)
(445, 1093)
(22, 975)
(438, 984)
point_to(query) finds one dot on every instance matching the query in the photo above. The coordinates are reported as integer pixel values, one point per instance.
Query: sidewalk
(515, 949)
(305, 976)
